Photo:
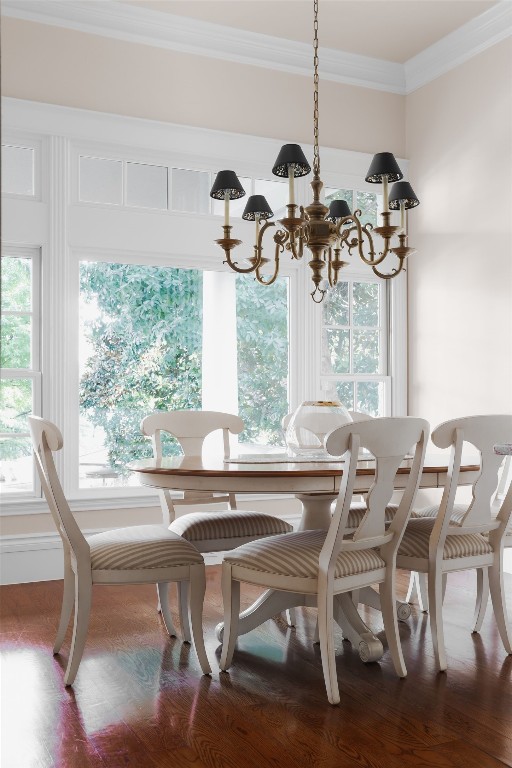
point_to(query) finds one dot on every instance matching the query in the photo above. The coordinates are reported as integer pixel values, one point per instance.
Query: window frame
(383, 328)
(33, 373)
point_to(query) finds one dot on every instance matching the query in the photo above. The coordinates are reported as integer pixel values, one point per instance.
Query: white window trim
(63, 133)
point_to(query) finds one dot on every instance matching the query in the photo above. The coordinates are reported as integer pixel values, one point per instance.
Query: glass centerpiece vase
(310, 424)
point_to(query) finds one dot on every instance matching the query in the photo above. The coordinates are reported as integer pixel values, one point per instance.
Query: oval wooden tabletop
(214, 467)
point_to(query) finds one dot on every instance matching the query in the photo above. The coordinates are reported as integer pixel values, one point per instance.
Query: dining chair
(450, 537)
(209, 531)
(327, 563)
(139, 554)
(418, 581)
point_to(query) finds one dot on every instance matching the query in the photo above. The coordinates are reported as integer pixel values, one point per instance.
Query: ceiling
(394, 30)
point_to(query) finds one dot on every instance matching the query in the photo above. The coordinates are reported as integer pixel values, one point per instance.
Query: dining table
(315, 483)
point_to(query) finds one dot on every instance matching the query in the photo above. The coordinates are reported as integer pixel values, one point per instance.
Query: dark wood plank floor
(139, 699)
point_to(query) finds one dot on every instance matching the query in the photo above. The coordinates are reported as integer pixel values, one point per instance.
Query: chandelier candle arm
(320, 229)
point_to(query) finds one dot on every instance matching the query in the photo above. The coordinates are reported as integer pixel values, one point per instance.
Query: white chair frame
(79, 576)
(482, 432)
(389, 440)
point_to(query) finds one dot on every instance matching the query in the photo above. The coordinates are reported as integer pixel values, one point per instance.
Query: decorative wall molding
(178, 33)
(464, 43)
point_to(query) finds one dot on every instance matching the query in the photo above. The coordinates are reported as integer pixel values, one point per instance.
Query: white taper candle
(226, 209)
(385, 203)
(402, 217)
(291, 191)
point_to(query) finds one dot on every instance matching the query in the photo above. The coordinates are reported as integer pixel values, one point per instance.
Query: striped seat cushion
(416, 539)
(297, 554)
(208, 526)
(459, 510)
(140, 546)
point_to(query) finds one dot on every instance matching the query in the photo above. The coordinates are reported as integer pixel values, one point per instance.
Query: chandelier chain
(316, 151)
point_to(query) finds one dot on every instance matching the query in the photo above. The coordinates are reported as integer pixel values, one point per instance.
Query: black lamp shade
(402, 191)
(383, 164)
(337, 210)
(257, 204)
(288, 155)
(227, 181)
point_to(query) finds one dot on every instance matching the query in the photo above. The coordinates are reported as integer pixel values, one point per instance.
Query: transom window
(108, 181)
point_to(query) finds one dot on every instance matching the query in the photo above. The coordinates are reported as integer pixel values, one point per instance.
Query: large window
(20, 384)
(141, 350)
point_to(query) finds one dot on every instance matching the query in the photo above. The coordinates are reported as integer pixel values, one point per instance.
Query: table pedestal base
(273, 602)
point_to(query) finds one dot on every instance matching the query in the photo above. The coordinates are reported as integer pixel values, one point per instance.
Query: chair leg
(387, 591)
(183, 603)
(291, 617)
(482, 597)
(326, 633)
(163, 600)
(418, 584)
(83, 595)
(231, 599)
(68, 600)
(316, 636)
(435, 598)
(444, 585)
(499, 605)
(196, 601)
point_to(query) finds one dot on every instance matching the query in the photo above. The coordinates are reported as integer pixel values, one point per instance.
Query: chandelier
(325, 232)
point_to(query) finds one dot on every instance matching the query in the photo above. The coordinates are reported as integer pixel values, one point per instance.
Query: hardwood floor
(139, 698)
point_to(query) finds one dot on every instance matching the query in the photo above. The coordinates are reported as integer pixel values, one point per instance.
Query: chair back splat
(388, 440)
(46, 439)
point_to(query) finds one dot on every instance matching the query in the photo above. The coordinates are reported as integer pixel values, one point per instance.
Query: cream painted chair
(136, 555)
(418, 581)
(208, 531)
(452, 538)
(325, 563)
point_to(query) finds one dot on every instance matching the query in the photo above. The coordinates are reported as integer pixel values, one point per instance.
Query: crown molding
(459, 46)
(178, 33)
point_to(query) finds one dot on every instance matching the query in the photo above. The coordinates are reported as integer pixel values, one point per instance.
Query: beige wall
(459, 143)
(61, 66)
